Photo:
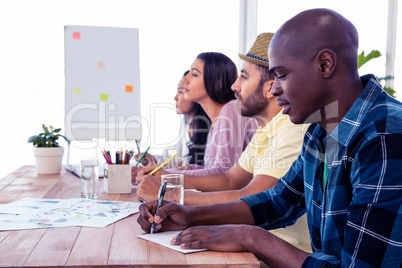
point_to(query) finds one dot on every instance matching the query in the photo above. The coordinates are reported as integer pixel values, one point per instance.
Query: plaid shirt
(357, 220)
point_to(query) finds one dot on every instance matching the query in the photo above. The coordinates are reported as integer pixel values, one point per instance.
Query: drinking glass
(174, 187)
(89, 178)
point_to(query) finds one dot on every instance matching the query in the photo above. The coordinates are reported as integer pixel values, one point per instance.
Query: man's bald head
(307, 33)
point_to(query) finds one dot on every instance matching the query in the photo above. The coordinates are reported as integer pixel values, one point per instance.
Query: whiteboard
(102, 83)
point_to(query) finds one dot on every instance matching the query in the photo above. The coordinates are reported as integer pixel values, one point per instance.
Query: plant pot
(48, 159)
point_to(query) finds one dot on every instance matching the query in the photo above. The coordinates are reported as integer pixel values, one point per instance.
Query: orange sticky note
(77, 90)
(104, 96)
(76, 35)
(129, 88)
(101, 64)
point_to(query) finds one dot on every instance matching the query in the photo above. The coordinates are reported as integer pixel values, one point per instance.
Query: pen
(161, 195)
(139, 161)
(161, 165)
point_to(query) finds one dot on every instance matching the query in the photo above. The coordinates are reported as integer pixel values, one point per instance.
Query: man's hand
(171, 216)
(148, 187)
(233, 238)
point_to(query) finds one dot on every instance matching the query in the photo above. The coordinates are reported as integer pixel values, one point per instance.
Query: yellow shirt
(272, 151)
(274, 147)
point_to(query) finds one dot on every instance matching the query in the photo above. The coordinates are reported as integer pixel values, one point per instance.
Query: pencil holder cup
(117, 179)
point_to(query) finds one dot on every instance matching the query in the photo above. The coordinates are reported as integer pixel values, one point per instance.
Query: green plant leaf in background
(390, 91)
(362, 59)
(48, 138)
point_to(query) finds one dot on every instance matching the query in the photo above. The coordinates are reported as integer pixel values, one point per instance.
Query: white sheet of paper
(164, 238)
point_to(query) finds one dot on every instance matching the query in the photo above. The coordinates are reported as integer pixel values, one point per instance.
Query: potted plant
(48, 153)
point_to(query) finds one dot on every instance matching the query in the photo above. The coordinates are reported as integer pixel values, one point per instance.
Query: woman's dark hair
(199, 124)
(220, 73)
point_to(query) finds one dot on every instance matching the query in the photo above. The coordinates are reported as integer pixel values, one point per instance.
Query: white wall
(171, 34)
(369, 17)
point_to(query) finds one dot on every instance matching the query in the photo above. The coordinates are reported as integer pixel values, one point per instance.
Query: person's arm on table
(258, 184)
(235, 178)
(242, 237)
(173, 216)
(239, 238)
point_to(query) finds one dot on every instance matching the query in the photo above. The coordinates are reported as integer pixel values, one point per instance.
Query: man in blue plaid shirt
(348, 177)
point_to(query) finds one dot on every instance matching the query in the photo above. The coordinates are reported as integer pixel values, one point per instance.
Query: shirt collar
(350, 123)
(274, 125)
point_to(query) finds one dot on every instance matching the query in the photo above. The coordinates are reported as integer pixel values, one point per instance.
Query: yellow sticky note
(104, 96)
(77, 90)
(129, 88)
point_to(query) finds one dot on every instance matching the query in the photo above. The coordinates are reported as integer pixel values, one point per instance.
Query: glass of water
(89, 178)
(174, 187)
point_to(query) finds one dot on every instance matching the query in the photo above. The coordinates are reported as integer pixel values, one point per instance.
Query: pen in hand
(161, 195)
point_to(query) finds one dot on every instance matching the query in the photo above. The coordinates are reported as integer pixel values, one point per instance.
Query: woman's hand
(148, 169)
(148, 159)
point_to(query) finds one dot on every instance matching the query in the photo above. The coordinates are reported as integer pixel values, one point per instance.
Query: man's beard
(254, 104)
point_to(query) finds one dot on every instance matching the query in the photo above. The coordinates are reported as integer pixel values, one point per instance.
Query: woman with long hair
(197, 124)
(209, 84)
(193, 132)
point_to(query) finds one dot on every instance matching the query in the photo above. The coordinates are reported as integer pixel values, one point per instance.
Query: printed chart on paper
(31, 213)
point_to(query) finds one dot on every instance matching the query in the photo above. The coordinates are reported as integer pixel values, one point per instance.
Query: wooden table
(116, 245)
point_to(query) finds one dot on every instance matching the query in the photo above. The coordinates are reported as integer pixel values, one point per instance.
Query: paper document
(31, 213)
(164, 238)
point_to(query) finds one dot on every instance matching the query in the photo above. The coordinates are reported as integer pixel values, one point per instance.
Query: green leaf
(390, 91)
(34, 139)
(388, 77)
(362, 59)
(67, 140)
(45, 129)
(47, 139)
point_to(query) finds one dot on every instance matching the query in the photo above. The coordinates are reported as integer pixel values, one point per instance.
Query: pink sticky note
(101, 64)
(76, 35)
(129, 88)
(104, 96)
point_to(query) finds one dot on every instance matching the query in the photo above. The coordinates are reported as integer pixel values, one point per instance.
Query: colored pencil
(139, 161)
(161, 165)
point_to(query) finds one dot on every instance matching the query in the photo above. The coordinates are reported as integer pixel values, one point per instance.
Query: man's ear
(326, 60)
(267, 89)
